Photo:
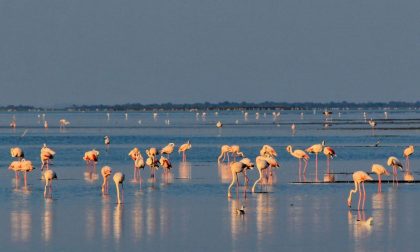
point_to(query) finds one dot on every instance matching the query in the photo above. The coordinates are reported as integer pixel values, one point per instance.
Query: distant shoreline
(221, 106)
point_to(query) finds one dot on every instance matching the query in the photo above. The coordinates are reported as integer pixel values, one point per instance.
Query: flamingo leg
(24, 179)
(316, 167)
(300, 168)
(364, 195)
(379, 183)
(360, 196)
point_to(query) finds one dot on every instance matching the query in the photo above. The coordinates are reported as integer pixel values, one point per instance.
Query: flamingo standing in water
(224, 151)
(168, 149)
(107, 142)
(91, 158)
(105, 172)
(395, 164)
(268, 151)
(25, 167)
(407, 153)
(240, 167)
(219, 124)
(299, 154)
(119, 179)
(330, 154)
(138, 163)
(166, 164)
(379, 170)
(152, 161)
(316, 148)
(263, 163)
(183, 148)
(15, 166)
(359, 177)
(49, 175)
(46, 155)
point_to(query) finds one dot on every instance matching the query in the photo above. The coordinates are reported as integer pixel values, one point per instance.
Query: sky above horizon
(156, 51)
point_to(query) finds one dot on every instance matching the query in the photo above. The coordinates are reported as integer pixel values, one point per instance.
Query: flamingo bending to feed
(136, 156)
(183, 148)
(236, 151)
(106, 172)
(224, 151)
(395, 164)
(166, 164)
(49, 175)
(316, 148)
(379, 170)
(299, 154)
(240, 167)
(17, 152)
(168, 149)
(119, 179)
(263, 164)
(330, 154)
(25, 167)
(47, 154)
(359, 177)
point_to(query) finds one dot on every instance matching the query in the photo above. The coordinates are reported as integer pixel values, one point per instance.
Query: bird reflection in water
(137, 222)
(185, 170)
(118, 215)
(238, 219)
(225, 174)
(378, 206)
(106, 217)
(90, 223)
(360, 227)
(265, 216)
(21, 223)
(47, 221)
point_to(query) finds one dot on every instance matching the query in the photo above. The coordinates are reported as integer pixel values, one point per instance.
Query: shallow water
(192, 212)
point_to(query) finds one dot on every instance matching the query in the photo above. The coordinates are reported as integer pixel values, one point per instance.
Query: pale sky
(182, 51)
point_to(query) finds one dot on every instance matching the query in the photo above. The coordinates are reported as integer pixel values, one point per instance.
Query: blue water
(192, 211)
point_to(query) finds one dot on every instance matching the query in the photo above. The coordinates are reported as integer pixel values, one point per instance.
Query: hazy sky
(154, 51)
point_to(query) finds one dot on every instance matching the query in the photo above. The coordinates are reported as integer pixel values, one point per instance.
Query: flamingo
(240, 167)
(407, 153)
(63, 123)
(166, 164)
(379, 170)
(224, 151)
(359, 177)
(235, 150)
(91, 157)
(316, 148)
(395, 164)
(330, 154)
(107, 141)
(263, 163)
(15, 166)
(152, 162)
(267, 150)
(299, 154)
(119, 179)
(106, 172)
(372, 123)
(183, 148)
(25, 167)
(49, 175)
(47, 154)
(17, 152)
(168, 149)
(293, 128)
(219, 124)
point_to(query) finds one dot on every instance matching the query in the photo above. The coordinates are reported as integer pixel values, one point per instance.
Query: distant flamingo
(407, 153)
(316, 148)
(119, 179)
(359, 177)
(235, 150)
(168, 149)
(299, 154)
(379, 170)
(107, 142)
(49, 175)
(105, 172)
(183, 148)
(330, 154)
(47, 154)
(239, 167)
(224, 151)
(267, 150)
(17, 152)
(63, 123)
(395, 164)
(293, 128)
(263, 163)
(372, 123)
(219, 124)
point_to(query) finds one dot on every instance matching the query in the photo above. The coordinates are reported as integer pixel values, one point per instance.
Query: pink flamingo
(299, 154)
(330, 154)
(316, 148)
(239, 167)
(359, 177)
(106, 172)
(395, 164)
(379, 170)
